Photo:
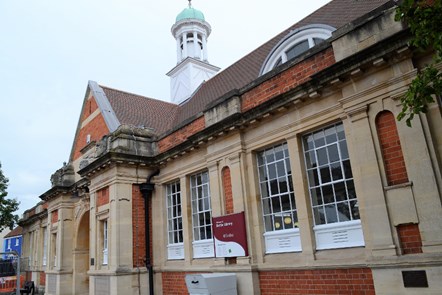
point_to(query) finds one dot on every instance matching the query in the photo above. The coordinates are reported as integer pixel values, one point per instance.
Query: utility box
(211, 284)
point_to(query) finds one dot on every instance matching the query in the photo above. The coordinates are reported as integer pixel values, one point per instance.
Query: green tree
(424, 18)
(7, 206)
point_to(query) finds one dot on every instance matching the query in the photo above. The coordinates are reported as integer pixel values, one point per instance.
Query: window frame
(284, 239)
(334, 233)
(105, 242)
(309, 32)
(202, 248)
(175, 249)
(44, 257)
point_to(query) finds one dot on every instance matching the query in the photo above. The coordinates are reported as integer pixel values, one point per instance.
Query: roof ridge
(138, 95)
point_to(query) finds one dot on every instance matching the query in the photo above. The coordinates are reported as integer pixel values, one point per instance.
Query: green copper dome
(190, 13)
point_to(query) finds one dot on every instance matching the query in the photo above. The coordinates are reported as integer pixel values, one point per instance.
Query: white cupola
(191, 32)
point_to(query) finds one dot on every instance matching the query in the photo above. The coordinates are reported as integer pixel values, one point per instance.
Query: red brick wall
(54, 218)
(288, 79)
(103, 196)
(138, 227)
(42, 278)
(329, 281)
(174, 283)
(97, 128)
(91, 106)
(181, 135)
(391, 148)
(227, 184)
(410, 238)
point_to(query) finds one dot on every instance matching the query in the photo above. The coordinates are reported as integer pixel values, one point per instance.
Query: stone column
(236, 174)
(368, 183)
(205, 58)
(302, 198)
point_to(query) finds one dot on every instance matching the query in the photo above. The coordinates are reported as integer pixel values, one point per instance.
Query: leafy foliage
(7, 206)
(424, 18)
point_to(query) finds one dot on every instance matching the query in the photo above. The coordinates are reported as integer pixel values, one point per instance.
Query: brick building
(299, 137)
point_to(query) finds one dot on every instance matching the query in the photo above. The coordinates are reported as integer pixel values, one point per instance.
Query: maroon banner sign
(230, 237)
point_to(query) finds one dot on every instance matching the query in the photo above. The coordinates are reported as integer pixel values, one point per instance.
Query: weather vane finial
(190, 3)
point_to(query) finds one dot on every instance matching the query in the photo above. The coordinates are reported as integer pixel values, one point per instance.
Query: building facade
(13, 241)
(299, 138)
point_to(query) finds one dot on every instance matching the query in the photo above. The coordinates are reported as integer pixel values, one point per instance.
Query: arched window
(295, 43)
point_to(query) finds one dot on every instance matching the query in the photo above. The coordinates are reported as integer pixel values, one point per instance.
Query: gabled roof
(136, 110)
(17, 231)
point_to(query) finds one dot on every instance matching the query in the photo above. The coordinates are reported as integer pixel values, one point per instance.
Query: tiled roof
(162, 116)
(138, 110)
(336, 14)
(18, 231)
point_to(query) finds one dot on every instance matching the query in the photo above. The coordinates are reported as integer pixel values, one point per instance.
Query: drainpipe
(146, 189)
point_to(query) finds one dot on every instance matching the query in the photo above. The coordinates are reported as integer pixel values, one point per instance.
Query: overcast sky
(49, 49)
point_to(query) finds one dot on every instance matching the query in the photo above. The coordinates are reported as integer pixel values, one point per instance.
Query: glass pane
(264, 190)
(340, 192)
(196, 234)
(330, 134)
(316, 196)
(333, 154)
(344, 150)
(318, 214)
(322, 156)
(347, 169)
(268, 222)
(171, 237)
(202, 233)
(336, 171)
(274, 187)
(276, 204)
(206, 204)
(354, 210)
(319, 139)
(288, 220)
(297, 49)
(266, 206)
(282, 185)
(340, 131)
(286, 205)
(208, 232)
(313, 177)
(287, 166)
(327, 193)
(310, 159)
(325, 174)
(317, 40)
(270, 157)
(351, 190)
(262, 173)
(272, 171)
(280, 167)
(330, 211)
(344, 212)
(260, 158)
(279, 152)
(278, 222)
(308, 142)
(205, 177)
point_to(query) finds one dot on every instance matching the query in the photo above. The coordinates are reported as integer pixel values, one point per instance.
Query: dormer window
(295, 43)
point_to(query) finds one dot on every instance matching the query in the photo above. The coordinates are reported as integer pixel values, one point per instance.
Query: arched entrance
(81, 257)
